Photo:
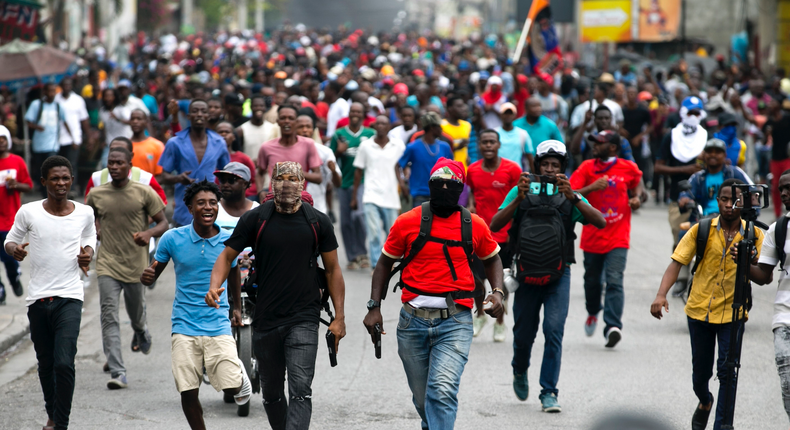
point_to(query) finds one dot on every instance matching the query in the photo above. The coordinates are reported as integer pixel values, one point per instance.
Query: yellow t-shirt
(714, 283)
(458, 132)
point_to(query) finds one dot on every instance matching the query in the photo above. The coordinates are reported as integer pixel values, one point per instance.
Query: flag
(545, 55)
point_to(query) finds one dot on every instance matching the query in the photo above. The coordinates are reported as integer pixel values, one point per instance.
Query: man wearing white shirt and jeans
(76, 116)
(338, 106)
(61, 238)
(377, 160)
(330, 173)
(44, 117)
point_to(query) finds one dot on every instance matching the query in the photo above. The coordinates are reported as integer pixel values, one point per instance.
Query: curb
(11, 335)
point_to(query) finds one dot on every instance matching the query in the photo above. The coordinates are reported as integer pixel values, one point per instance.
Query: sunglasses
(228, 179)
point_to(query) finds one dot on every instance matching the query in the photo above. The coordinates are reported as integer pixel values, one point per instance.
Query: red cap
(418, 72)
(400, 88)
(448, 169)
(522, 79)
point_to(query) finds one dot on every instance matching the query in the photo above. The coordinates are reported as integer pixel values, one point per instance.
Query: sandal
(135, 343)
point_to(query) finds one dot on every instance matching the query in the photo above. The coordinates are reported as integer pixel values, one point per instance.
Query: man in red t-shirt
(15, 179)
(607, 182)
(435, 327)
(490, 179)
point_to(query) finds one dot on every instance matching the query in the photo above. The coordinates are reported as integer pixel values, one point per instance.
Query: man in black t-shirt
(288, 300)
(778, 127)
(636, 126)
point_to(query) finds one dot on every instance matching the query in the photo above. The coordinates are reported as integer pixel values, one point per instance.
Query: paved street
(648, 372)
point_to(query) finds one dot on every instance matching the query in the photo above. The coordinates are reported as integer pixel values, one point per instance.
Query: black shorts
(478, 269)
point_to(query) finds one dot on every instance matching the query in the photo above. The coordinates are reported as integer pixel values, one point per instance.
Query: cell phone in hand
(330, 343)
(377, 339)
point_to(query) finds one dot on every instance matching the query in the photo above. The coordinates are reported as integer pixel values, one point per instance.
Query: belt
(434, 313)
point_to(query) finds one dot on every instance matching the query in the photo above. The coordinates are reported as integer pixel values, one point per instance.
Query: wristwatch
(576, 197)
(373, 304)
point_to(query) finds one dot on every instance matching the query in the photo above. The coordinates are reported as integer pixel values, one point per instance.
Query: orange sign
(659, 20)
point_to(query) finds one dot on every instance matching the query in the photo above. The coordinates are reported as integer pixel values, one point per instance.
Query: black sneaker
(700, 418)
(2, 295)
(17, 286)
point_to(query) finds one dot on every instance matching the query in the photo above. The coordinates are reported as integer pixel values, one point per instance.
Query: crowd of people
(469, 169)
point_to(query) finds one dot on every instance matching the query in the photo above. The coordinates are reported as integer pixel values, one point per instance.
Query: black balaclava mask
(444, 201)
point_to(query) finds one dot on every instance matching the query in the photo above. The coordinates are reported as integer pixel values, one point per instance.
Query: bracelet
(498, 290)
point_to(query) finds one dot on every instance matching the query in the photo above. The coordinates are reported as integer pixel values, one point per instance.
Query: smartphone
(330, 343)
(377, 337)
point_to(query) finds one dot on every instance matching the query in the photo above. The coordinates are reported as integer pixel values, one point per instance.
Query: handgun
(377, 339)
(330, 343)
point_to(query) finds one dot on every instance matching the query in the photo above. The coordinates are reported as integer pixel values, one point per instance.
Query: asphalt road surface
(648, 373)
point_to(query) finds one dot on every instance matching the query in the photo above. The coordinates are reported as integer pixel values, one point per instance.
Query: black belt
(434, 313)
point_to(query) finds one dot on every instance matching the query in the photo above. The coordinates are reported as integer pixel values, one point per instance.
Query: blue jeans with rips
(526, 311)
(378, 220)
(434, 353)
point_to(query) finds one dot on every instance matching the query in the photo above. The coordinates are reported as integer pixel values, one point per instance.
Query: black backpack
(425, 237)
(265, 212)
(780, 236)
(542, 238)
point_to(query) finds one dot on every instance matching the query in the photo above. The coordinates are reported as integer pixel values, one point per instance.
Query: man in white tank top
(234, 179)
(256, 131)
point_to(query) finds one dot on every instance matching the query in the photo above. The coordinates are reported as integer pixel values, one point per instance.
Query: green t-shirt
(346, 160)
(576, 215)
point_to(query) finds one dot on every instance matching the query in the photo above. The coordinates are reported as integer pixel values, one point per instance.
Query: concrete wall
(717, 20)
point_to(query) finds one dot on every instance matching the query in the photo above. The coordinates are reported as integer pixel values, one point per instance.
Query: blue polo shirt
(179, 156)
(544, 129)
(193, 258)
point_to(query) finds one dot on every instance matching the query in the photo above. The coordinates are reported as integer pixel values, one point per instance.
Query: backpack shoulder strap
(466, 233)
(426, 219)
(312, 219)
(266, 210)
(702, 241)
(780, 236)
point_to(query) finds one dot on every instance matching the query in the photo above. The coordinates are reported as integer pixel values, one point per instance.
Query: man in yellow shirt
(457, 128)
(709, 306)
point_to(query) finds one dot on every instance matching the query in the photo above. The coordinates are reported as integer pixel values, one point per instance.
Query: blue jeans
(378, 221)
(11, 265)
(434, 353)
(54, 328)
(352, 223)
(613, 262)
(704, 336)
(293, 348)
(526, 311)
(417, 201)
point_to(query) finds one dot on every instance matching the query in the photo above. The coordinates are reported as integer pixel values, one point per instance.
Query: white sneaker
(613, 336)
(244, 395)
(500, 332)
(477, 325)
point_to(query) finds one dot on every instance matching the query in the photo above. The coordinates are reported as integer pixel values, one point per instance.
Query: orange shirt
(146, 155)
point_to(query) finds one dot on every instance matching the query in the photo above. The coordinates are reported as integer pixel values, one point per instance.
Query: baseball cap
(449, 170)
(507, 106)
(715, 144)
(124, 83)
(280, 75)
(233, 99)
(693, 103)
(726, 118)
(236, 169)
(548, 146)
(645, 96)
(430, 119)
(400, 88)
(604, 136)
(606, 78)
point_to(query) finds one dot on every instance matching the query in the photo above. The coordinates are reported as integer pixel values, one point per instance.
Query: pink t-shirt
(302, 152)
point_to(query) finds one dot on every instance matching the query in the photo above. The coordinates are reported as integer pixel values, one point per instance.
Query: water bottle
(511, 283)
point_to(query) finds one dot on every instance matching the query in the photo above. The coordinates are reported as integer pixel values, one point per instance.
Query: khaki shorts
(217, 353)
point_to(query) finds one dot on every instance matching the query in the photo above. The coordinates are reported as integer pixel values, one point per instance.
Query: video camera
(753, 197)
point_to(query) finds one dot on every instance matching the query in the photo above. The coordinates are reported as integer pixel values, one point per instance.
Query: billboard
(659, 20)
(18, 20)
(605, 21)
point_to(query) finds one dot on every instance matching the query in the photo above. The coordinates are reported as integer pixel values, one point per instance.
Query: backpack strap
(312, 219)
(466, 234)
(780, 236)
(266, 211)
(426, 219)
(703, 233)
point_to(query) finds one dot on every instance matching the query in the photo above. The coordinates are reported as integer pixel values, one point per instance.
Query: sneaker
(17, 286)
(521, 386)
(205, 377)
(500, 332)
(549, 403)
(117, 382)
(700, 418)
(477, 325)
(590, 325)
(613, 336)
(144, 342)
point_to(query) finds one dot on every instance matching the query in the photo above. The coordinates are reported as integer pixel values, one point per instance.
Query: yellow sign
(605, 21)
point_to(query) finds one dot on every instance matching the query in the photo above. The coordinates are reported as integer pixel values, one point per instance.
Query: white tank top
(256, 135)
(228, 221)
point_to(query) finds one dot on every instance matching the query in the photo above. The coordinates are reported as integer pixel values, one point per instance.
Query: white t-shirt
(318, 191)
(337, 111)
(770, 256)
(114, 128)
(134, 103)
(55, 242)
(381, 183)
(255, 135)
(228, 221)
(400, 133)
(75, 111)
(577, 117)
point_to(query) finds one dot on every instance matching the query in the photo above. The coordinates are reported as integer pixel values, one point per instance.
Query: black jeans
(54, 328)
(704, 336)
(293, 348)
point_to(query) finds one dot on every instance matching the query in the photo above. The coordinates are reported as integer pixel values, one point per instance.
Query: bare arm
(337, 292)
(591, 215)
(220, 273)
(314, 175)
(381, 275)
(494, 273)
(669, 279)
(358, 173)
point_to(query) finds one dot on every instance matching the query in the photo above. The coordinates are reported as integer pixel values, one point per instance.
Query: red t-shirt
(623, 175)
(519, 98)
(321, 109)
(12, 166)
(429, 271)
(490, 188)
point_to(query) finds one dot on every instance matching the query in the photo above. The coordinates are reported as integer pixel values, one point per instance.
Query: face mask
(287, 195)
(444, 201)
(728, 133)
(692, 121)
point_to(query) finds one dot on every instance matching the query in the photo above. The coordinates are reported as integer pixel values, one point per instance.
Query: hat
(233, 99)
(241, 83)
(387, 70)
(430, 119)
(236, 169)
(448, 170)
(493, 80)
(604, 136)
(692, 103)
(625, 62)
(418, 72)
(606, 78)
(352, 86)
(280, 75)
(124, 83)
(522, 79)
(400, 88)
(645, 96)
(716, 144)
(507, 106)
(551, 148)
(726, 118)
